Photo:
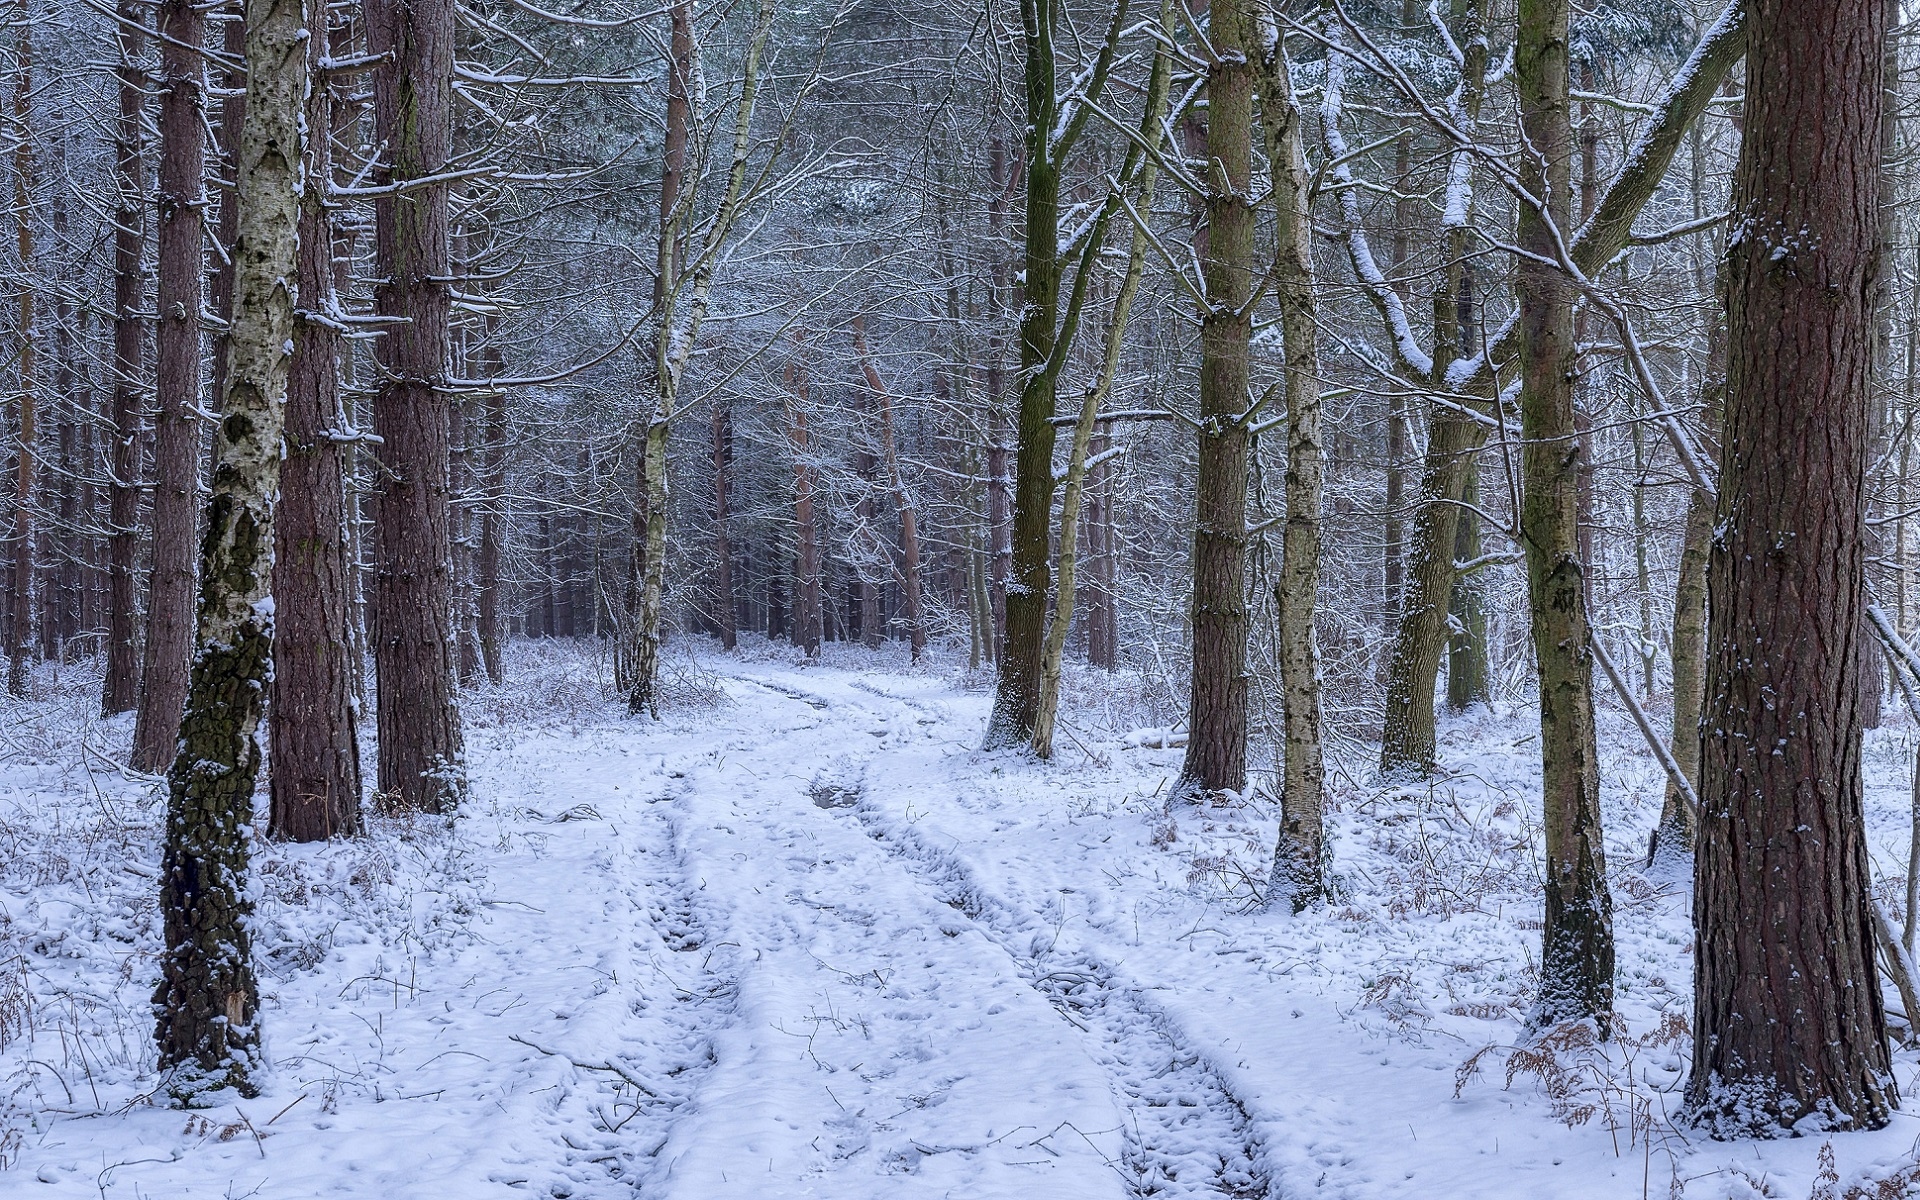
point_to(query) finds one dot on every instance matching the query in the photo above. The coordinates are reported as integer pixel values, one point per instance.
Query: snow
(802, 938)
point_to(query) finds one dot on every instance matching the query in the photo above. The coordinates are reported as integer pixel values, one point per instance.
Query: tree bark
(207, 1002)
(1576, 962)
(20, 637)
(725, 618)
(1789, 1027)
(314, 746)
(121, 682)
(1216, 759)
(421, 762)
(181, 211)
(1299, 861)
(806, 583)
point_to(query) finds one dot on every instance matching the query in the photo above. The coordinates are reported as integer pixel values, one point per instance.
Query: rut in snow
(1187, 1134)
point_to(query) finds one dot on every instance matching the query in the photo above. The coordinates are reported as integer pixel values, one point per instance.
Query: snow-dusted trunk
(1407, 745)
(313, 742)
(180, 215)
(637, 664)
(1216, 758)
(420, 751)
(1576, 961)
(1141, 170)
(1789, 1024)
(1299, 869)
(120, 689)
(207, 1002)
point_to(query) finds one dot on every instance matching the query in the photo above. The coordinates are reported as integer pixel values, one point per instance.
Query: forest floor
(802, 938)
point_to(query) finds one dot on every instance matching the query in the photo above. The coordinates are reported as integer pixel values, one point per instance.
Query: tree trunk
(313, 744)
(20, 637)
(1467, 674)
(1576, 962)
(1216, 759)
(120, 690)
(489, 588)
(1407, 744)
(421, 763)
(724, 615)
(1789, 1025)
(181, 207)
(1299, 861)
(207, 1001)
(902, 501)
(806, 583)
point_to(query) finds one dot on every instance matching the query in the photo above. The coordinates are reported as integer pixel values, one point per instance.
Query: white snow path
(814, 943)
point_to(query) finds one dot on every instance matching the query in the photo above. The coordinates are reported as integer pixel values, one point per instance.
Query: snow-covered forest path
(804, 939)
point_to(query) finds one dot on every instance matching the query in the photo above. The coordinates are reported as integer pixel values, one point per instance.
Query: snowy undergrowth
(801, 937)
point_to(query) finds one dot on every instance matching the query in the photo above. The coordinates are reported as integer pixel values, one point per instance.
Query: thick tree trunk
(181, 211)
(120, 690)
(313, 744)
(1299, 861)
(1576, 961)
(207, 1002)
(1789, 1025)
(1216, 758)
(421, 763)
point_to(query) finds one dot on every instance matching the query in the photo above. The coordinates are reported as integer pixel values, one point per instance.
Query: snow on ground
(802, 938)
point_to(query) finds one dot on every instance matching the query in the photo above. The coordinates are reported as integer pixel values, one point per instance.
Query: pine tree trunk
(806, 583)
(120, 689)
(207, 1002)
(20, 637)
(313, 744)
(724, 609)
(1216, 758)
(1789, 1025)
(1576, 963)
(421, 762)
(489, 588)
(1467, 674)
(1299, 862)
(180, 208)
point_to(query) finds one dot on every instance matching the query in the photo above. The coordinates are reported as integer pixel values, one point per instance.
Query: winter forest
(960, 598)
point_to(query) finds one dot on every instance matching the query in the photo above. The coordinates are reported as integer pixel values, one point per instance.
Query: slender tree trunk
(207, 1001)
(1407, 744)
(1016, 697)
(20, 637)
(724, 608)
(489, 587)
(902, 501)
(1299, 862)
(120, 690)
(1673, 837)
(1576, 963)
(1467, 674)
(1789, 1025)
(1216, 759)
(313, 744)
(181, 210)
(806, 583)
(421, 762)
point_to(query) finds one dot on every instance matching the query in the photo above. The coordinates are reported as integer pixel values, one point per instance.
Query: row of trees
(1418, 266)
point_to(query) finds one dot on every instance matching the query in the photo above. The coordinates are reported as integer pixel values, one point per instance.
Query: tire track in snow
(1188, 1133)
